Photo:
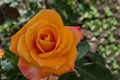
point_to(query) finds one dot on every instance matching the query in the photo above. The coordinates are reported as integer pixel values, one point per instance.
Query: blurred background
(99, 20)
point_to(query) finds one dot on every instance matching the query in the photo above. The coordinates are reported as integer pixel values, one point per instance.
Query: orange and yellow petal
(31, 34)
(53, 63)
(68, 66)
(23, 50)
(70, 60)
(65, 44)
(51, 16)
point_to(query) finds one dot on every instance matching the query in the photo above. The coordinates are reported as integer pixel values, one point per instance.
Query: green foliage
(97, 58)
(98, 26)
(69, 76)
(94, 71)
(82, 48)
(66, 10)
(111, 51)
(11, 57)
(9, 66)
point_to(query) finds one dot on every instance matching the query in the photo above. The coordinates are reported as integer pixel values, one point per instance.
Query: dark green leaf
(81, 61)
(82, 48)
(69, 76)
(96, 57)
(94, 71)
(15, 74)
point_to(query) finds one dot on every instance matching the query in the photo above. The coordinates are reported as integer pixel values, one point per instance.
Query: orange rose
(1, 53)
(45, 46)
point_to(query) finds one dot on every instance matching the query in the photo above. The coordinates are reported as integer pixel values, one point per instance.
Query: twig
(46, 4)
(48, 78)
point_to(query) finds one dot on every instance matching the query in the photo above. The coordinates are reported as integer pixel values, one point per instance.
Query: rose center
(45, 41)
(47, 37)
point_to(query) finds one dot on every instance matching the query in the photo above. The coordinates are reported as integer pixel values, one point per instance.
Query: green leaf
(107, 11)
(69, 76)
(13, 58)
(82, 48)
(94, 71)
(96, 57)
(15, 74)
(81, 61)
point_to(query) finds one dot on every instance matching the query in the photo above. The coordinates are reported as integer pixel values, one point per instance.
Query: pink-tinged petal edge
(76, 29)
(31, 72)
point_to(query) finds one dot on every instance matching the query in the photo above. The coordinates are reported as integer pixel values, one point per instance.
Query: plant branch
(46, 4)
(48, 78)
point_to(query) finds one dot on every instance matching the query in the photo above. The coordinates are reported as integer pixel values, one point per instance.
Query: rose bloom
(1, 53)
(45, 46)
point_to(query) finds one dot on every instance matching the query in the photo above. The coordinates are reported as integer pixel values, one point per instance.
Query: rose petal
(46, 46)
(23, 50)
(52, 17)
(65, 45)
(30, 71)
(70, 57)
(53, 63)
(76, 29)
(31, 34)
(68, 66)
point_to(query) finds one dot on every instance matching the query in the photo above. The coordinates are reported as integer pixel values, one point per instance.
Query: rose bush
(45, 46)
